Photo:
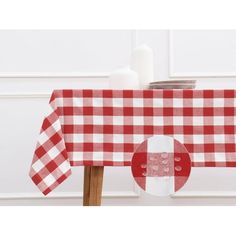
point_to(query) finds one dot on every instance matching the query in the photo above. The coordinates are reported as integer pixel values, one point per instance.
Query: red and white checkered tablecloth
(104, 127)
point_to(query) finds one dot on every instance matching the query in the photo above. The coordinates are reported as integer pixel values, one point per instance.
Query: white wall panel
(61, 51)
(202, 53)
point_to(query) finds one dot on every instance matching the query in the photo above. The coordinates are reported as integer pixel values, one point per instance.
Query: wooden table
(93, 178)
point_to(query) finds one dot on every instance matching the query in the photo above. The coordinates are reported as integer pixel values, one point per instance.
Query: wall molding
(204, 194)
(196, 74)
(38, 84)
(24, 95)
(55, 75)
(134, 193)
(116, 194)
(66, 195)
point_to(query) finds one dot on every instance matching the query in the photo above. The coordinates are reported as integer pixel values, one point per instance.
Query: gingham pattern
(103, 127)
(161, 165)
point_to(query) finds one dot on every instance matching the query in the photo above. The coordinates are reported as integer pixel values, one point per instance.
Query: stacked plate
(173, 84)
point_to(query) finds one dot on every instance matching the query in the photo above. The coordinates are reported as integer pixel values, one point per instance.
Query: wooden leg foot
(93, 178)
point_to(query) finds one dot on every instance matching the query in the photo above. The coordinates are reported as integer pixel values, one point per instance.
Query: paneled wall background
(33, 63)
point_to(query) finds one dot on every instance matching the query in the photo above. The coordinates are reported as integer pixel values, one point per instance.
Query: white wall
(33, 63)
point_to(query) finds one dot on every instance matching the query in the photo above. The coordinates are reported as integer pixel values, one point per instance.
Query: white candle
(142, 63)
(124, 78)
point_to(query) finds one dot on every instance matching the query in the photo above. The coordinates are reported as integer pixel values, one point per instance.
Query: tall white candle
(124, 78)
(142, 63)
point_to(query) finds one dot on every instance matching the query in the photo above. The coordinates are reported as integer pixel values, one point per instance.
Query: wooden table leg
(93, 178)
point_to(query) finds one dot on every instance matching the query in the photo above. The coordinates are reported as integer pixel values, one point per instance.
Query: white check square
(118, 156)
(77, 156)
(78, 120)
(198, 157)
(78, 102)
(37, 166)
(98, 138)
(138, 120)
(43, 138)
(178, 120)
(118, 138)
(198, 120)
(218, 120)
(78, 138)
(53, 152)
(97, 102)
(198, 102)
(158, 120)
(64, 167)
(220, 157)
(138, 102)
(49, 180)
(60, 101)
(219, 138)
(98, 120)
(198, 139)
(118, 120)
(177, 102)
(98, 156)
(56, 126)
(157, 102)
(118, 102)
(218, 102)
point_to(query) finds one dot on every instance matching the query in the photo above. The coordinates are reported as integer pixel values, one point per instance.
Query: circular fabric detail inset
(161, 165)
